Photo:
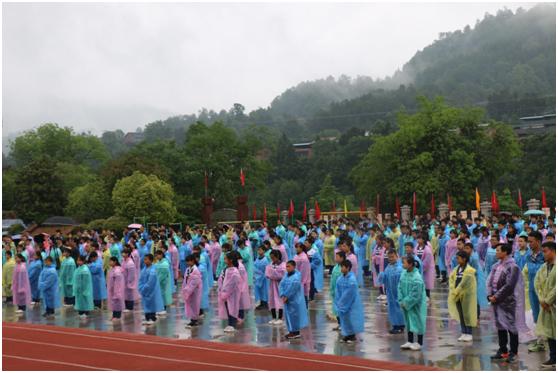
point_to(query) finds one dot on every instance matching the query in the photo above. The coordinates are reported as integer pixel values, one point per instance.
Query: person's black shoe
(499, 356)
(393, 331)
(349, 339)
(512, 358)
(293, 336)
(45, 314)
(549, 364)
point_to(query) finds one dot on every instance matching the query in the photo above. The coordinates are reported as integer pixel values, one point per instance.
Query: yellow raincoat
(7, 275)
(466, 293)
(545, 286)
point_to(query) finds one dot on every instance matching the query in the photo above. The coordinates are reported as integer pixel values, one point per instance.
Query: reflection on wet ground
(441, 347)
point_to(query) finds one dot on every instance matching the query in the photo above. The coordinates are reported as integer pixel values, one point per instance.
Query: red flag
(254, 213)
(205, 183)
(414, 204)
(397, 207)
(543, 199)
(278, 211)
(333, 208)
(450, 207)
(317, 213)
(264, 213)
(291, 209)
(495, 207)
(362, 206)
(378, 204)
(242, 177)
(432, 206)
(519, 199)
(304, 213)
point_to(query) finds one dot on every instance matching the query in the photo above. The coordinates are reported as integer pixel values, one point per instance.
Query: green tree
(328, 194)
(142, 195)
(73, 175)
(9, 188)
(39, 193)
(89, 202)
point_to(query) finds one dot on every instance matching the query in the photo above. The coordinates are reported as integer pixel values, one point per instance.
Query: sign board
(474, 214)
(379, 218)
(453, 213)
(546, 211)
(463, 214)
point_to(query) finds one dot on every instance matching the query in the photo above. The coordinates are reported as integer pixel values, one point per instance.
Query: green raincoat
(66, 277)
(411, 295)
(248, 261)
(83, 289)
(333, 282)
(164, 275)
(545, 286)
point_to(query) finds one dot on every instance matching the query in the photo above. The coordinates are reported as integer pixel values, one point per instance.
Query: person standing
(424, 251)
(291, 293)
(335, 273)
(151, 298)
(545, 286)
(389, 278)
(303, 266)
(462, 297)
(411, 296)
(98, 277)
(7, 276)
(165, 277)
(275, 272)
(20, 285)
(229, 293)
(261, 283)
(192, 288)
(130, 280)
(532, 265)
(34, 272)
(82, 289)
(48, 286)
(66, 278)
(348, 304)
(501, 284)
(115, 289)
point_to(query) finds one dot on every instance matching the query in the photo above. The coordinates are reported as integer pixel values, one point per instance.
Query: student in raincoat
(151, 298)
(532, 265)
(443, 238)
(348, 304)
(411, 296)
(522, 254)
(115, 289)
(291, 293)
(501, 285)
(175, 260)
(66, 278)
(275, 272)
(130, 280)
(281, 247)
(346, 245)
(164, 275)
(462, 297)
(490, 256)
(192, 288)
(474, 261)
(451, 249)
(261, 283)
(34, 272)
(409, 249)
(545, 286)
(329, 249)
(377, 261)
(20, 285)
(303, 266)
(207, 279)
(83, 288)
(245, 298)
(335, 273)
(98, 276)
(225, 248)
(389, 278)
(7, 275)
(229, 292)
(424, 251)
(247, 260)
(316, 266)
(48, 286)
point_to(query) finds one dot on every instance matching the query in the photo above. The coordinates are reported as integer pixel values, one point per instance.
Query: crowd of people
(504, 263)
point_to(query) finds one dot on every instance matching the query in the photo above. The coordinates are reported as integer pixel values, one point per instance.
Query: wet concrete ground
(441, 348)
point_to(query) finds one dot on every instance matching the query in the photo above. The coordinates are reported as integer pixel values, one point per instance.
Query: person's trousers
(150, 316)
(427, 293)
(312, 287)
(410, 338)
(535, 305)
(464, 328)
(49, 311)
(98, 303)
(69, 300)
(129, 304)
(552, 349)
(21, 307)
(10, 299)
(231, 319)
(274, 313)
(116, 314)
(83, 312)
(503, 341)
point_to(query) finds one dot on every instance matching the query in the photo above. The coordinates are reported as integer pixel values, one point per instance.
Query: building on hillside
(133, 138)
(62, 223)
(303, 149)
(535, 125)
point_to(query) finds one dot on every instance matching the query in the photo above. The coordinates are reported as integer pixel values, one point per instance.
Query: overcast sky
(101, 67)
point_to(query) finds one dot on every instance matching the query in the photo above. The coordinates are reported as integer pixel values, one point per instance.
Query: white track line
(128, 354)
(54, 362)
(221, 350)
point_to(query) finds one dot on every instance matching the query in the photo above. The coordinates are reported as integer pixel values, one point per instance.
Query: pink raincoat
(130, 280)
(214, 254)
(245, 300)
(30, 251)
(192, 288)
(377, 260)
(354, 263)
(275, 274)
(451, 250)
(428, 266)
(175, 258)
(284, 256)
(21, 290)
(115, 289)
(137, 264)
(303, 266)
(229, 293)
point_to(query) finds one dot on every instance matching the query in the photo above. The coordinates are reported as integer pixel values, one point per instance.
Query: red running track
(43, 347)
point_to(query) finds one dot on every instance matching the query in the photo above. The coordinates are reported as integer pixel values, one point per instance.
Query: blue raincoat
(183, 251)
(206, 278)
(348, 305)
(390, 279)
(521, 259)
(289, 244)
(48, 286)
(474, 262)
(361, 250)
(317, 265)
(533, 265)
(403, 238)
(489, 260)
(442, 252)
(148, 286)
(296, 313)
(34, 272)
(142, 251)
(98, 277)
(320, 245)
(261, 283)
(411, 295)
